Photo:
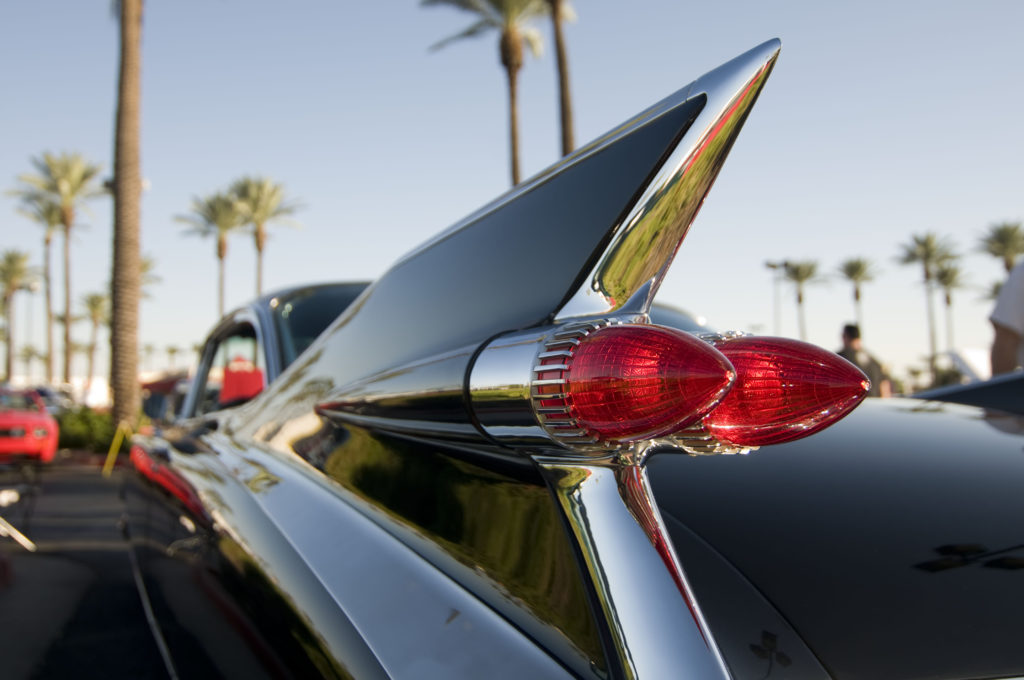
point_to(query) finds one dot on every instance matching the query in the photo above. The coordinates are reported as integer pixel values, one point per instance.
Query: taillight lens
(626, 383)
(784, 390)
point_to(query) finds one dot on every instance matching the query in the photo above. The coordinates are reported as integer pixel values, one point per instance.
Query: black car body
(402, 500)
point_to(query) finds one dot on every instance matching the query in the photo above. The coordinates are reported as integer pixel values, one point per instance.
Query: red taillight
(626, 383)
(784, 389)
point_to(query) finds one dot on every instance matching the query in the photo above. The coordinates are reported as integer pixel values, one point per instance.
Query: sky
(881, 120)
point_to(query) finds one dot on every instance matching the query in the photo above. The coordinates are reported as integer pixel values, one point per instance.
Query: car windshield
(16, 401)
(304, 314)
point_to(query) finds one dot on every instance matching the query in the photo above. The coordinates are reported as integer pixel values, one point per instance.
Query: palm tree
(172, 353)
(15, 274)
(215, 215)
(126, 268)
(509, 18)
(260, 201)
(949, 276)
(28, 354)
(801, 274)
(44, 210)
(931, 252)
(992, 292)
(147, 275)
(1005, 241)
(857, 271)
(68, 180)
(561, 11)
(147, 352)
(97, 311)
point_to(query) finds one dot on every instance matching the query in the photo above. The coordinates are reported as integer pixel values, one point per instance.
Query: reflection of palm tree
(949, 277)
(1005, 241)
(15, 274)
(67, 180)
(857, 271)
(260, 201)
(509, 18)
(215, 215)
(931, 252)
(47, 212)
(801, 274)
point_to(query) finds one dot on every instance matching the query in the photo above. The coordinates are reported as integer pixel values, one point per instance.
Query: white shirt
(1009, 309)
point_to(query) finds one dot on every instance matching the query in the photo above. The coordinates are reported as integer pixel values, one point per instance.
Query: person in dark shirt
(854, 352)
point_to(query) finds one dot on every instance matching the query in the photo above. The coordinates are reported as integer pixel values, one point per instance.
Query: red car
(27, 431)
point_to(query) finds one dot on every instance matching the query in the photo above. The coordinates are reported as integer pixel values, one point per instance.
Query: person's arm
(1004, 349)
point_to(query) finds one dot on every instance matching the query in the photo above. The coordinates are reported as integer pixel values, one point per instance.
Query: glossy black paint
(891, 542)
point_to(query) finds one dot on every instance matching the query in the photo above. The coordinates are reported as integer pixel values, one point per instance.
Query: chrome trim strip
(653, 619)
(643, 245)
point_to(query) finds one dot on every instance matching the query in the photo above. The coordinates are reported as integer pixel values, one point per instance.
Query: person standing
(1008, 321)
(854, 352)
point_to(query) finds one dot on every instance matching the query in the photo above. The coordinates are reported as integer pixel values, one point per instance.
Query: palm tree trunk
(564, 97)
(220, 287)
(857, 310)
(48, 294)
(513, 121)
(66, 372)
(800, 315)
(949, 322)
(932, 349)
(261, 239)
(91, 360)
(9, 338)
(126, 275)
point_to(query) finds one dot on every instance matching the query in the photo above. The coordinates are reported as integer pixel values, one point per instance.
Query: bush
(83, 428)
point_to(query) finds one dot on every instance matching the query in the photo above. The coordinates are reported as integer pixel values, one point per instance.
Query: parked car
(492, 464)
(28, 433)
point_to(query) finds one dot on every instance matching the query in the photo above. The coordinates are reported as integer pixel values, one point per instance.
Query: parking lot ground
(70, 608)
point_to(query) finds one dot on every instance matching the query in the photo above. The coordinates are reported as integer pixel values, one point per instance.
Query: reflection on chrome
(653, 620)
(634, 264)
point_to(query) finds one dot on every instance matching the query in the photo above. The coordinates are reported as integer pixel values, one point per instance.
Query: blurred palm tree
(950, 277)
(147, 275)
(147, 352)
(172, 353)
(126, 276)
(1005, 241)
(97, 311)
(801, 274)
(68, 180)
(931, 252)
(215, 215)
(46, 211)
(28, 354)
(510, 18)
(260, 201)
(992, 292)
(561, 12)
(15, 275)
(858, 271)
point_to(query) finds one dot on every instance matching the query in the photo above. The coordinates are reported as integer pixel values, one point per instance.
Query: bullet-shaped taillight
(630, 382)
(784, 390)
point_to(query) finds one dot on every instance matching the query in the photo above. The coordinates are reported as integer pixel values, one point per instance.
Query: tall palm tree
(1005, 241)
(949, 276)
(97, 311)
(172, 353)
(215, 215)
(858, 271)
(260, 201)
(147, 275)
(126, 268)
(562, 11)
(147, 352)
(510, 18)
(15, 274)
(801, 274)
(68, 180)
(931, 252)
(44, 210)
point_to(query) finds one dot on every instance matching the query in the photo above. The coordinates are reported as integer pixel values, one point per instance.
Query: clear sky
(882, 120)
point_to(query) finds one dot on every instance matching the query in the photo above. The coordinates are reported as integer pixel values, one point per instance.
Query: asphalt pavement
(69, 609)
